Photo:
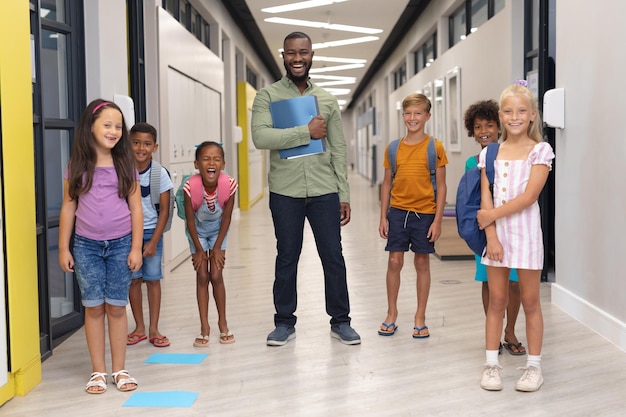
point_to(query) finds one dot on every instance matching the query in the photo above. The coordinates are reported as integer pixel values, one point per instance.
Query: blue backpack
(432, 158)
(468, 202)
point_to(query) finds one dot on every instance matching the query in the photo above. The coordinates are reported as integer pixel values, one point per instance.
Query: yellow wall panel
(251, 160)
(19, 198)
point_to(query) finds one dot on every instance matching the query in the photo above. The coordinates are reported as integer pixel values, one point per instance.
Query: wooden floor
(315, 375)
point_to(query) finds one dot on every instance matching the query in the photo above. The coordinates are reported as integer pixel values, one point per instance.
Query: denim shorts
(408, 229)
(151, 268)
(102, 271)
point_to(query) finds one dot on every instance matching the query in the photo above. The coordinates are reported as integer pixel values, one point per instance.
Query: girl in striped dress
(512, 223)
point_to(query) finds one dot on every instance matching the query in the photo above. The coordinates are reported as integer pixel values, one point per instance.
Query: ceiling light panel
(300, 5)
(322, 25)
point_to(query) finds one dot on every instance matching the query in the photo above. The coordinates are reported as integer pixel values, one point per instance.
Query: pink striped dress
(520, 234)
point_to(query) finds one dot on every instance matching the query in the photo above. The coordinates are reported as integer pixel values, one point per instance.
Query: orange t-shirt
(412, 189)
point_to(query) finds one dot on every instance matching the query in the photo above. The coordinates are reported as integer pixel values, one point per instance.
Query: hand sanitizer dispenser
(554, 108)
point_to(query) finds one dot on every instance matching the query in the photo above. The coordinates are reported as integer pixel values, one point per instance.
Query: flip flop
(388, 332)
(416, 333)
(134, 338)
(517, 346)
(160, 341)
(227, 338)
(201, 341)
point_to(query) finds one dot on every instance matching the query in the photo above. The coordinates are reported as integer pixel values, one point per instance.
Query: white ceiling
(380, 14)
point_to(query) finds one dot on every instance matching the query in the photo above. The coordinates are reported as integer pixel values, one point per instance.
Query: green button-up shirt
(308, 176)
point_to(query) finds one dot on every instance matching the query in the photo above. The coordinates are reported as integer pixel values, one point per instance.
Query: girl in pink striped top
(512, 223)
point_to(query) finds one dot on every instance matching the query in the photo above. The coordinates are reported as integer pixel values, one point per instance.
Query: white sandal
(97, 379)
(119, 383)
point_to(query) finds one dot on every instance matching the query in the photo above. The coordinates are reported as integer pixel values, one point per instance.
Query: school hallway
(316, 375)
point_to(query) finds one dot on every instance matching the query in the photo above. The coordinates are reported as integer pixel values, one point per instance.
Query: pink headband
(104, 103)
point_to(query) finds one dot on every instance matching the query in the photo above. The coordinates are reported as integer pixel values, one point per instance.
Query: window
(190, 18)
(479, 14)
(172, 7)
(251, 77)
(468, 17)
(425, 54)
(457, 26)
(497, 6)
(399, 76)
(184, 15)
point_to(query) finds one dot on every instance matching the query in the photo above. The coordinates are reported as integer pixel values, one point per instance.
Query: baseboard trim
(591, 316)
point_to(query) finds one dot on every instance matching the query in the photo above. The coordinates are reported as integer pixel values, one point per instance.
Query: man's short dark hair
(297, 35)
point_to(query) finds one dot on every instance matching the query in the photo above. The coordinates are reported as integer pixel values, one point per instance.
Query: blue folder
(292, 112)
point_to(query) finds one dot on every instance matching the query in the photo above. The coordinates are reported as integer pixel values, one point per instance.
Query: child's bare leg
(394, 266)
(136, 306)
(219, 295)
(118, 330)
(512, 311)
(422, 268)
(498, 299)
(529, 281)
(202, 294)
(94, 333)
(485, 296)
(154, 305)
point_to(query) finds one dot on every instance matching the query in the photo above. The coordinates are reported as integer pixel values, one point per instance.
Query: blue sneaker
(345, 334)
(281, 335)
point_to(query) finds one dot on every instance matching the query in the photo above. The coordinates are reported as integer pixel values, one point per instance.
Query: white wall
(106, 52)
(590, 156)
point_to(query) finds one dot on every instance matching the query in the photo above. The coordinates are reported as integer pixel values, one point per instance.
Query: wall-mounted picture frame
(453, 109)
(439, 109)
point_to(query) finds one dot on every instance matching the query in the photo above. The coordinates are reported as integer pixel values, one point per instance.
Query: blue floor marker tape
(162, 399)
(177, 358)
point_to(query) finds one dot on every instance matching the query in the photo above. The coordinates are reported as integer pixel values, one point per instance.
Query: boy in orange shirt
(411, 212)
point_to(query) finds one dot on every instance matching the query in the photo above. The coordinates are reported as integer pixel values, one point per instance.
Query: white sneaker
(491, 378)
(531, 380)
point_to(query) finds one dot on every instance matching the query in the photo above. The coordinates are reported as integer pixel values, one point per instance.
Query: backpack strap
(432, 164)
(492, 153)
(196, 188)
(393, 150)
(155, 185)
(223, 189)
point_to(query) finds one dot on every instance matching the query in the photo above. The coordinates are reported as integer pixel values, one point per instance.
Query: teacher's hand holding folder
(317, 127)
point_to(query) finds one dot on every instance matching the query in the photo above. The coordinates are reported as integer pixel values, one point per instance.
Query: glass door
(58, 84)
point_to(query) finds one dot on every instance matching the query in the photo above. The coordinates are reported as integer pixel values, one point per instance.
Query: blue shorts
(481, 272)
(408, 229)
(151, 268)
(102, 271)
(207, 242)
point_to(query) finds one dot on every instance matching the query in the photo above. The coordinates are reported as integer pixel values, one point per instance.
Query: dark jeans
(324, 217)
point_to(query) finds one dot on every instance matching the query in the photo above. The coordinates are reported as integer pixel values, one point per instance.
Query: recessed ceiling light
(322, 25)
(338, 91)
(329, 83)
(300, 5)
(336, 68)
(340, 60)
(344, 42)
(342, 78)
